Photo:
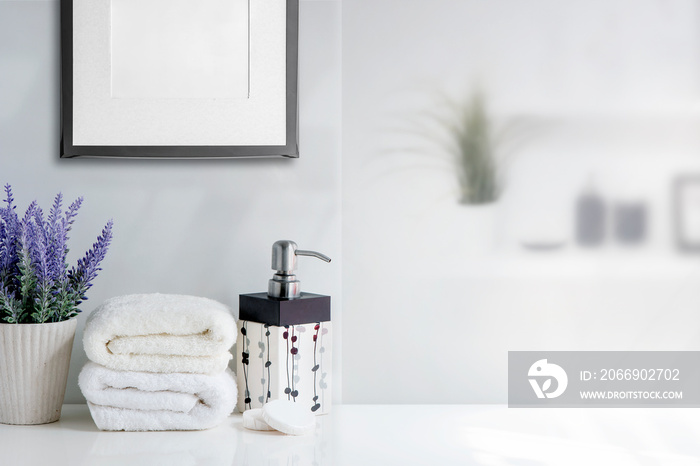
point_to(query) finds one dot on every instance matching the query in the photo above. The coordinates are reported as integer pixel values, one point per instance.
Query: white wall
(191, 227)
(437, 293)
(434, 293)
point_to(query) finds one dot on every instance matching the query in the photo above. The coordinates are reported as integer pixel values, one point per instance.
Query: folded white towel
(136, 401)
(160, 333)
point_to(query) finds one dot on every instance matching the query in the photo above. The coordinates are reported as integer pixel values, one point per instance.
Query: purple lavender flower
(35, 284)
(36, 239)
(84, 273)
(56, 239)
(59, 226)
(9, 238)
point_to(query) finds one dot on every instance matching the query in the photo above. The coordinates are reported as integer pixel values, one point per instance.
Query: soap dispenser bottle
(590, 218)
(284, 344)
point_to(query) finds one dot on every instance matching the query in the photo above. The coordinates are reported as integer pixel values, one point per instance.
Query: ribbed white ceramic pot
(34, 362)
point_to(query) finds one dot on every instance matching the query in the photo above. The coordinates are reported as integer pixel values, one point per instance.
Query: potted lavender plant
(39, 298)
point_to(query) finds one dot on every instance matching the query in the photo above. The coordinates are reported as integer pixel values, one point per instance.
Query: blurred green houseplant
(471, 142)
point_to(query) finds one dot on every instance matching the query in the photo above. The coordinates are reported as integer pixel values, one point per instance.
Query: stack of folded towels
(159, 362)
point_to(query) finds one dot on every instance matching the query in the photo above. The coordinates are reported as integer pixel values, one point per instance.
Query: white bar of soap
(253, 420)
(289, 417)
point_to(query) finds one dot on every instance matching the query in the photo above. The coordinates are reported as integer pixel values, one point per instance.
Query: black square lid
(307, 309)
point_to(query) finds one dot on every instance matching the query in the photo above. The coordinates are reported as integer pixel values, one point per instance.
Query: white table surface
(380, 435)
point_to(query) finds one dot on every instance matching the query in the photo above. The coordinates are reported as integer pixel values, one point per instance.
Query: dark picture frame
(686, 212)
(287, 116)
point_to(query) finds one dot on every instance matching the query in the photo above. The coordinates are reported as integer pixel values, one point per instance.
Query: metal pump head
(284, 283)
